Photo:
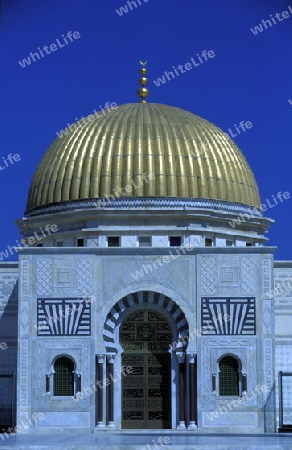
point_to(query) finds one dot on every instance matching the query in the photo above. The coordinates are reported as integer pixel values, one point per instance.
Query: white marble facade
(189, 288)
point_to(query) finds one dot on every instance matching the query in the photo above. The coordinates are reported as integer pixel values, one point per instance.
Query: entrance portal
(145, 337)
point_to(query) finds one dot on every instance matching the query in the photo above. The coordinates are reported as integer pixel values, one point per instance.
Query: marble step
(143, 447)
(159, 440)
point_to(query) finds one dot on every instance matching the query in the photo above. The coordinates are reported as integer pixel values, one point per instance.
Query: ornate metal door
(146, 392)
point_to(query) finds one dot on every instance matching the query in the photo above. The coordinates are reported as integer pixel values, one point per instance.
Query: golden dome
(189, 156)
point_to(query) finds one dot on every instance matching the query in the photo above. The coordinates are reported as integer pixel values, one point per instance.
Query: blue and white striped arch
(163, 303)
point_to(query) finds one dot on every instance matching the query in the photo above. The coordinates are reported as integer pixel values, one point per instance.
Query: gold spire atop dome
(143, 81)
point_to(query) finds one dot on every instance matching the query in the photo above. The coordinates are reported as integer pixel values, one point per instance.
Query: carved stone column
(48, 382)
(110, 387)
(214, 384)
(244, 384)
(193, 391)
(78, 381)
(182, 413)
(100, 362)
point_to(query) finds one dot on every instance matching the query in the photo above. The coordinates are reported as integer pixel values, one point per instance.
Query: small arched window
(64, 376)
(228, 376)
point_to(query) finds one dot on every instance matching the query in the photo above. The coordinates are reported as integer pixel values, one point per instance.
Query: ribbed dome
(189, 156)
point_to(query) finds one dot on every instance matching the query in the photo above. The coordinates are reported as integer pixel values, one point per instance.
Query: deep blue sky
(249, 79)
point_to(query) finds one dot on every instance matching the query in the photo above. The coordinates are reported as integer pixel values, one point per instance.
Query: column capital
(181, 357)
(111, 358)
(192, 357)
(100, 358)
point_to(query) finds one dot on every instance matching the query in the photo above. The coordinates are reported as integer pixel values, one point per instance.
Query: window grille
(144, 241)
(228, 376)
(113, 241)
(64, 377)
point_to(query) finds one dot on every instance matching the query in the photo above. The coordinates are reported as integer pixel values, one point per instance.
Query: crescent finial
(143, 81)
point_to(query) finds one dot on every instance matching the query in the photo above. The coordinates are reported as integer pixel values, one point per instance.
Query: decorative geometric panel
(283, 357)
(24, 371)
(267, 316)
(64, 317)
(24, 318)
(84, 277)
(25, 278)
(268, 364)
(64, 261)
(64, 277)
(248, 274)
(44, 276)
(208, 275)
(6, 288)
(282, 286)
(240, 312)
(267, 278)
(228, 276)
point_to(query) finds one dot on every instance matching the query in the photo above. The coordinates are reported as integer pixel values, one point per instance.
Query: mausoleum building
(155, 301)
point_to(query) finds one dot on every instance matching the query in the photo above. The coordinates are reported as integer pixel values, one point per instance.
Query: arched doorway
(145, 337)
